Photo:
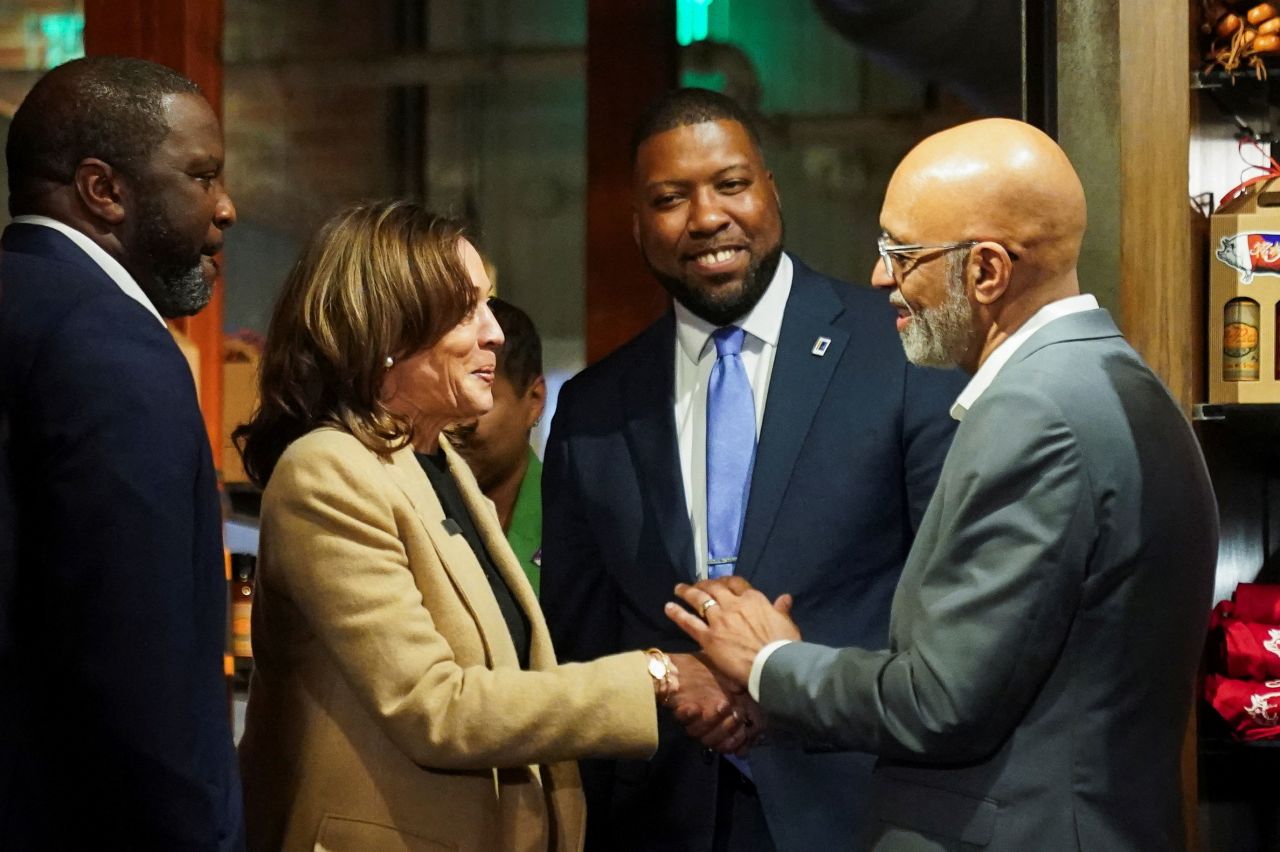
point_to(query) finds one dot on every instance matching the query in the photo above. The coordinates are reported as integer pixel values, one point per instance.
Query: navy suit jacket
(850, 450)
(114, 725)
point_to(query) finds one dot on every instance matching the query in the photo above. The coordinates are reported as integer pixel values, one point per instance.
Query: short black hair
(107, 107)
(683, 107)
(520, 359)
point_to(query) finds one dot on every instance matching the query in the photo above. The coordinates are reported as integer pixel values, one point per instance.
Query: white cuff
(757, 666)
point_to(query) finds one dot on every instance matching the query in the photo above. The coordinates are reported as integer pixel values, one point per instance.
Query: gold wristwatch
(661, 669)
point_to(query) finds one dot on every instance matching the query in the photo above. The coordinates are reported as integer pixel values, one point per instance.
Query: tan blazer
(388, 710)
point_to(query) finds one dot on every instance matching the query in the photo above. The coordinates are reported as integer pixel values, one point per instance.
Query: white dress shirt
(98, 255)
(695, 355)
(977, 385)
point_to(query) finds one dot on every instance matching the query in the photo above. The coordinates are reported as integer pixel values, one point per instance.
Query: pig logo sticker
(1251, 253)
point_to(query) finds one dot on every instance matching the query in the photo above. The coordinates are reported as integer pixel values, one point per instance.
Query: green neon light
(63, 37)
(713, 80)
(692, 21)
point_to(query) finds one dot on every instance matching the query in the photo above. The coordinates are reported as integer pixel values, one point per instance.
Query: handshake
(731, 622)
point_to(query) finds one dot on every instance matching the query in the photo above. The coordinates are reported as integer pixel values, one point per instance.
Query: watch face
(657, 668)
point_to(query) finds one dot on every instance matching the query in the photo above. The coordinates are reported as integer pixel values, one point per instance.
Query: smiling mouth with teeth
(719, 256)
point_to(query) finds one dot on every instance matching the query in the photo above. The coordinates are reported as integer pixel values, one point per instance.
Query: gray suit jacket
(1045, 635)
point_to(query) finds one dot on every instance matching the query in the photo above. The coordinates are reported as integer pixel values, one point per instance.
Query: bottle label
(1240, 357)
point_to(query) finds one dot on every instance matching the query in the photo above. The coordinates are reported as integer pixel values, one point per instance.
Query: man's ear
(102, 190)
(990, 271)
(536, 397)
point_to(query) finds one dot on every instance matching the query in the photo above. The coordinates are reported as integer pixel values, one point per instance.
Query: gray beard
(181, 292)
(176, 284)
(941, 336)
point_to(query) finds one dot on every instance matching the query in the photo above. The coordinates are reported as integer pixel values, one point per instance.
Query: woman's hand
(711, 710)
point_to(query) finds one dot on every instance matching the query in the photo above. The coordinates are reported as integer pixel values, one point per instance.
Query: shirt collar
(763, 322)
(1005, 351)
(98, 255)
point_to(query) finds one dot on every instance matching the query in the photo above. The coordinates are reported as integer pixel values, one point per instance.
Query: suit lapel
(651, 437)
(796, 388)
(464, 568)
(495, 541)
(456, 557)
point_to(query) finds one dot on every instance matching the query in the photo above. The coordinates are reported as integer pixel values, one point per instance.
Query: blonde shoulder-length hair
(379, 279)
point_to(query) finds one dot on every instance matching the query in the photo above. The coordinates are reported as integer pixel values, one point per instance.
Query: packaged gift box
(1244, 297)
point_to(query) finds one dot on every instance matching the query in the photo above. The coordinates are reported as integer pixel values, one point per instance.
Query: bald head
(994, 179)
(997, 199)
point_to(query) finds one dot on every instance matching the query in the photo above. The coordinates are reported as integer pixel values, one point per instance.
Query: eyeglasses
(888, 250)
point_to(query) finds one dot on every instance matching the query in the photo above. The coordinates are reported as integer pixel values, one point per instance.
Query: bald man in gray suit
(1046, 630)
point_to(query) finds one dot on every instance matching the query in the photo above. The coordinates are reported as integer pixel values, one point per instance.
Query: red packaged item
(1221, 613)
(1250, 708)
(1248, 650)
(1258, 602)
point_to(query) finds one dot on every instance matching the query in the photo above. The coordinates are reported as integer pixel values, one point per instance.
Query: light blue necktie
(731, 451)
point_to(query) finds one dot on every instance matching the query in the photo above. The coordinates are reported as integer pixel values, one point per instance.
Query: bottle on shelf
(242, 571)
(1240, 336)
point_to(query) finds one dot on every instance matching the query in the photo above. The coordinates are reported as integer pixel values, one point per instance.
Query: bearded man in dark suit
(114, 728)
(769, 427)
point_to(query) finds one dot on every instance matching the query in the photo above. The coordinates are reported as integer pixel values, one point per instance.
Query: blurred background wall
(480, 107)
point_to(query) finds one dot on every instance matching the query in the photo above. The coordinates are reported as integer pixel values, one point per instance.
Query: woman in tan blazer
(405, 696)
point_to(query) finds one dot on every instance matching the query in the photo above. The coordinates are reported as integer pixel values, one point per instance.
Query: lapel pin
(820, 346)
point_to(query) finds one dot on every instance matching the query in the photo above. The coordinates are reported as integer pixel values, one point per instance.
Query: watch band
(660, 669)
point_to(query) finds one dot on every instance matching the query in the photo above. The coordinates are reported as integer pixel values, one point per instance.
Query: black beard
(175, 284)
(755, 282)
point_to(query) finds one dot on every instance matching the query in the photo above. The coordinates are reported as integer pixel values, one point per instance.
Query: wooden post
(1124, 119)
(185, 35)
(631, 60)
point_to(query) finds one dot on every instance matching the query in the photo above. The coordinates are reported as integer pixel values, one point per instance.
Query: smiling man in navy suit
(114, 727)
(767, 426)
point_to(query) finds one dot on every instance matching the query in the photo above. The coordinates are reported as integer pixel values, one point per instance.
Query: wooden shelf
(1237, 412)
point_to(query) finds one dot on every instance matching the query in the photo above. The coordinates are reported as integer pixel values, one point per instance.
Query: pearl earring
(390, 362)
